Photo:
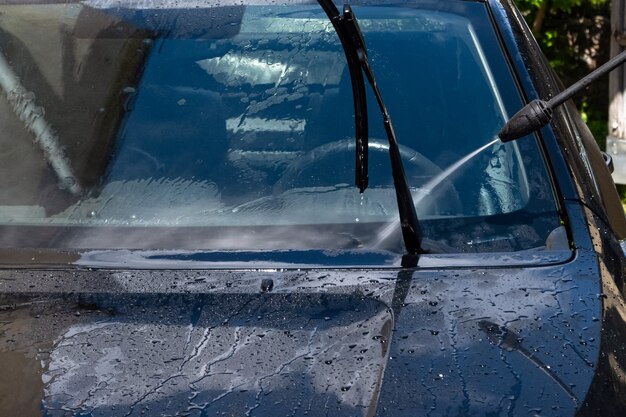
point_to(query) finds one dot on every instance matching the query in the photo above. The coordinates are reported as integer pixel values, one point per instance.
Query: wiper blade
(353, 43)
(351, 46)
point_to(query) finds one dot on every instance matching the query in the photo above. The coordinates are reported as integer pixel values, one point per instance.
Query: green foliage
(574, 36)
(547, 40)
(559, 5)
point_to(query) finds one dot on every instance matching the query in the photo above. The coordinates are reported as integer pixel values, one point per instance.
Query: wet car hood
(432, 341)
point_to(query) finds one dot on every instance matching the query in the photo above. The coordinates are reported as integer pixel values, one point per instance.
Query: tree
(574, 35)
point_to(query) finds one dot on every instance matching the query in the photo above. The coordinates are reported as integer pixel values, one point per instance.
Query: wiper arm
(353, 44)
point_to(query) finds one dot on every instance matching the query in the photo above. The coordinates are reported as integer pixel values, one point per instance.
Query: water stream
(426, 190)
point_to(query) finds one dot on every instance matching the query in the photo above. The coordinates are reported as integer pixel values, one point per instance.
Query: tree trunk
(616, 141)
(540, 17)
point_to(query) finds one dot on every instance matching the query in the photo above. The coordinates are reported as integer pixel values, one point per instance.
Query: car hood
(433, 341)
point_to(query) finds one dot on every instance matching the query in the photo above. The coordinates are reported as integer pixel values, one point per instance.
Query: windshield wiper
(351, 38)
(351, 45)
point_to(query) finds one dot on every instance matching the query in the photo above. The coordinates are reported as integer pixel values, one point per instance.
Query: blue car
(298, 209)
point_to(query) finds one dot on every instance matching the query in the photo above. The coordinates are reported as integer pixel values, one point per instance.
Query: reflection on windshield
(129, 117)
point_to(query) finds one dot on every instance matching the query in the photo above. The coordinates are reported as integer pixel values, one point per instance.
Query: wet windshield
(151, 125)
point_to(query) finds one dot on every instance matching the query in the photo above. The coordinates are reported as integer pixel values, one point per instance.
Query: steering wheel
(409, 156)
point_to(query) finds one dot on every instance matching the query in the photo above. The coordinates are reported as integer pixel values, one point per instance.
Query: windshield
(152, 125)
